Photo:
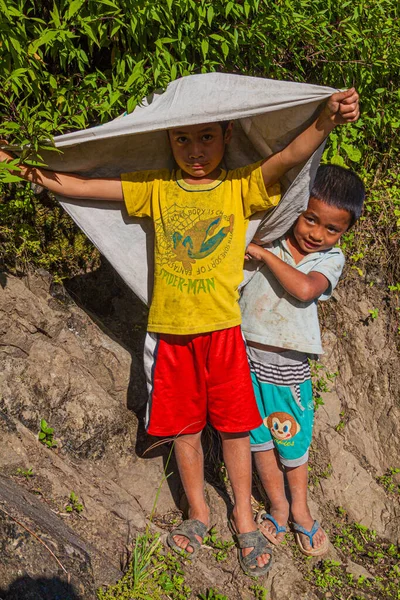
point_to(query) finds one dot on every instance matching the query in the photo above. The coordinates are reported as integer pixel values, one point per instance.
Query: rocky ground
(71, 356)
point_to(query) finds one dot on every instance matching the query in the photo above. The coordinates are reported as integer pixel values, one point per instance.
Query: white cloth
(273, 317)
(268, 114)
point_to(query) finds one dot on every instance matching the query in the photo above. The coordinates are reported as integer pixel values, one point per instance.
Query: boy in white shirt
(280, 324)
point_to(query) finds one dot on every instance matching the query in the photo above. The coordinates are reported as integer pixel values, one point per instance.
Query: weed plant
(220, 547)
(387, 482)
(74, 505)
(27, 473)
(363, 546)
(46, 435)
(321, 381)
(152, 575)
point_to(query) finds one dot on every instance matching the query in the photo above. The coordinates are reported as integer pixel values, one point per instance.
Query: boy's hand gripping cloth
(268, 115)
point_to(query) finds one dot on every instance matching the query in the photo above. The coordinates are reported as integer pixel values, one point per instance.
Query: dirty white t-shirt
(273, 317)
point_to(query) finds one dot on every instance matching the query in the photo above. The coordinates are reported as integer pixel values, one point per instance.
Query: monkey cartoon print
(282, 425)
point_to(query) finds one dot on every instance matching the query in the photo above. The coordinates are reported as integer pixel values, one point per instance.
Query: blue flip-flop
(310, 534)
(264, 516)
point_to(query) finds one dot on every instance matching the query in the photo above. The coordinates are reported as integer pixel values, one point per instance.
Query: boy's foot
(190, 534)
(270, 525)
(255, 556)
(311, 539)
(188, 537)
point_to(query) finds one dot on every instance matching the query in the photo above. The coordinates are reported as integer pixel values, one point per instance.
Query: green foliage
(374, 312)
(69, 65)
(342, 423)
(321, 380)
(152, 574)
(259, 592)
(212, 594)
(46, 435)
(316, 472)
(221, 547)
(37, 230)
(72, 64)
(27, 473)
(379, 557)
(387, 482)
(74, 504)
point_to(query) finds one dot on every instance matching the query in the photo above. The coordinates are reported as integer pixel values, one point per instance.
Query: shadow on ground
(27, 588)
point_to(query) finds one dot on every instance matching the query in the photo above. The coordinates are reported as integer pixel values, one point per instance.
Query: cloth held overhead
(267, 114)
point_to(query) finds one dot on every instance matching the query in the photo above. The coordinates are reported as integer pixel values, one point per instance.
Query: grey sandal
(255, 540)
(189, 529)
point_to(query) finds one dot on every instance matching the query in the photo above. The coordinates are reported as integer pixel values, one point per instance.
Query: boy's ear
(228, 133)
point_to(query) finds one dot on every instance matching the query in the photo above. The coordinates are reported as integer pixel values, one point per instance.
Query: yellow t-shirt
(199, 243)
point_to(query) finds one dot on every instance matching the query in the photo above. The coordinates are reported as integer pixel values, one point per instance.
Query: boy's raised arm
(341, 107)
(69, 184)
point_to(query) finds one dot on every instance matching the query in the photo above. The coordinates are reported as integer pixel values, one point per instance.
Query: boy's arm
(304, 287)
(69, 184)
(341, 107)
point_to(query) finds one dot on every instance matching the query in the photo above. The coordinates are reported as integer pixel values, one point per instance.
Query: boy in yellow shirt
(196, 361)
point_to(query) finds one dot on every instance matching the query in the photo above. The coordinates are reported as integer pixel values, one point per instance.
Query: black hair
(339, 187)
(224, 125)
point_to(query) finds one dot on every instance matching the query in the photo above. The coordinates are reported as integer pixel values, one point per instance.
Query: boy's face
(199, 149)
(320, 226)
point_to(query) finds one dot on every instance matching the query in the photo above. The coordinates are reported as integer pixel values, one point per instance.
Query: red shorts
(193, 379)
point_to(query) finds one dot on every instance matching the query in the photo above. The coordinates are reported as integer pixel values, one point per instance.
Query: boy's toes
(270, 526)
(263, 560)
(184, 542)
(187, 537)
(319, 538)
(313, 541)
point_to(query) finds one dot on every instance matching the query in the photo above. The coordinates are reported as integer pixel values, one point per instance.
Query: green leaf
(204, 47)
(15, 43)
(131, 104)
(352, 152)
(74, 7)
(136, 73)
(228, 8)
(216, 36)
(210, 15)
(337, 160)
(108, 3)
(56, 15)
(47, 37)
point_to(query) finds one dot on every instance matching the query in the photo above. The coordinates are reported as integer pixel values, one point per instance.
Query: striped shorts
(282, 387)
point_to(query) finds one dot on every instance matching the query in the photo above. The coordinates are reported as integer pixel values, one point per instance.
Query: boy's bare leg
(237, 458)
(298, 481)
(190, 460)
(272, 478)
